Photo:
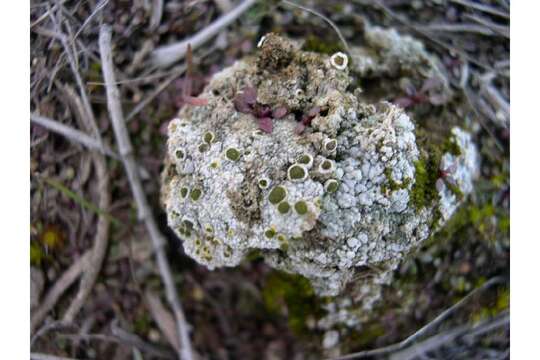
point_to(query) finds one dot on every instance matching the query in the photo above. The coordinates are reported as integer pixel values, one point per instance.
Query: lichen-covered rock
(336, 189)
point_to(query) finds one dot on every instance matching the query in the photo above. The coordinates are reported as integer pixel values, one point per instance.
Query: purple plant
(246, 103)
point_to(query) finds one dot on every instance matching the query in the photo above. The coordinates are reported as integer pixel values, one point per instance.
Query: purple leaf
(299, 128)
(279, 112)
(266, 125)
(249, 94)
(241, 106)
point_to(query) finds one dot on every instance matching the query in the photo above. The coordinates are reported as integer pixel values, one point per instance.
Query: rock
(342, 187)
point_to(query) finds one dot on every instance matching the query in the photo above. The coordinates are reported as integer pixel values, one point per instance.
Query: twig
(167, 55)
(327, 20)
(157, 12)
(495, 97)
(101, 240)
(446, 337)
(425, 329)
(78, 137)
(78, 79)
(124, 145)
(499, 29)
(99, 6)
(163, 318)
(121, 336)
(71, 134)
(41, 356)
(438, 42)
(458, 28)
(59, 287)
(484, 8)
(137, 109)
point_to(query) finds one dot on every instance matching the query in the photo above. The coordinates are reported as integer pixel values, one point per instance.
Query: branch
(425, 329)
(167, 55)
(145, 215)
(41, 356)
(327, 20)
(72, 134)
(59, 287)
(101, 241)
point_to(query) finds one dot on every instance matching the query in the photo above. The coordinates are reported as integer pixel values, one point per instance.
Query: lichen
(339, 185)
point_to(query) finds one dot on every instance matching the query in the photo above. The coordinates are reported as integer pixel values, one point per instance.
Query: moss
(315, 44)
(424, 191)
(214, 164)
(232, 154)
(451, 146)
(392, 184)
(291, 295)
(455, 190)
(284, 207)
(253, 255)
(277, 194)
(301, 207)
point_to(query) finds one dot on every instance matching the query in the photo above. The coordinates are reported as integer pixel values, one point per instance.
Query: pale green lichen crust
(322, 203)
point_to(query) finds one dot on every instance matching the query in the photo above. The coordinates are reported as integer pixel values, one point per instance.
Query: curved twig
(145, 214)
(167, 55)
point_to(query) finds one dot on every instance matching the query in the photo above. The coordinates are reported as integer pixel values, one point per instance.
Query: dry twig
(425, 329)
(100, 241)
(125, 148)
(41, 356)
(167, 55)
(327, 20)
(59, 287)
(71, 134)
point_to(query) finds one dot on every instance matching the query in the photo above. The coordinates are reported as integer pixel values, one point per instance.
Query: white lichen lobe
(327, 202)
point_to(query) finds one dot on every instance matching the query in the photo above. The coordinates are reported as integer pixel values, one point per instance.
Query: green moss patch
(291, 295)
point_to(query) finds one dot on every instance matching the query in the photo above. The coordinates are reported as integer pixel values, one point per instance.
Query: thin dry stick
(137, 109)
(101, 241)
(71, 134)
(41, 356)
(167, 55)
(157, 13)
(124, 145)
(78, 137)
(426, 328)
(73, 64)
(327, 20)
(484, 8)
(59, 287)
(444, 338)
